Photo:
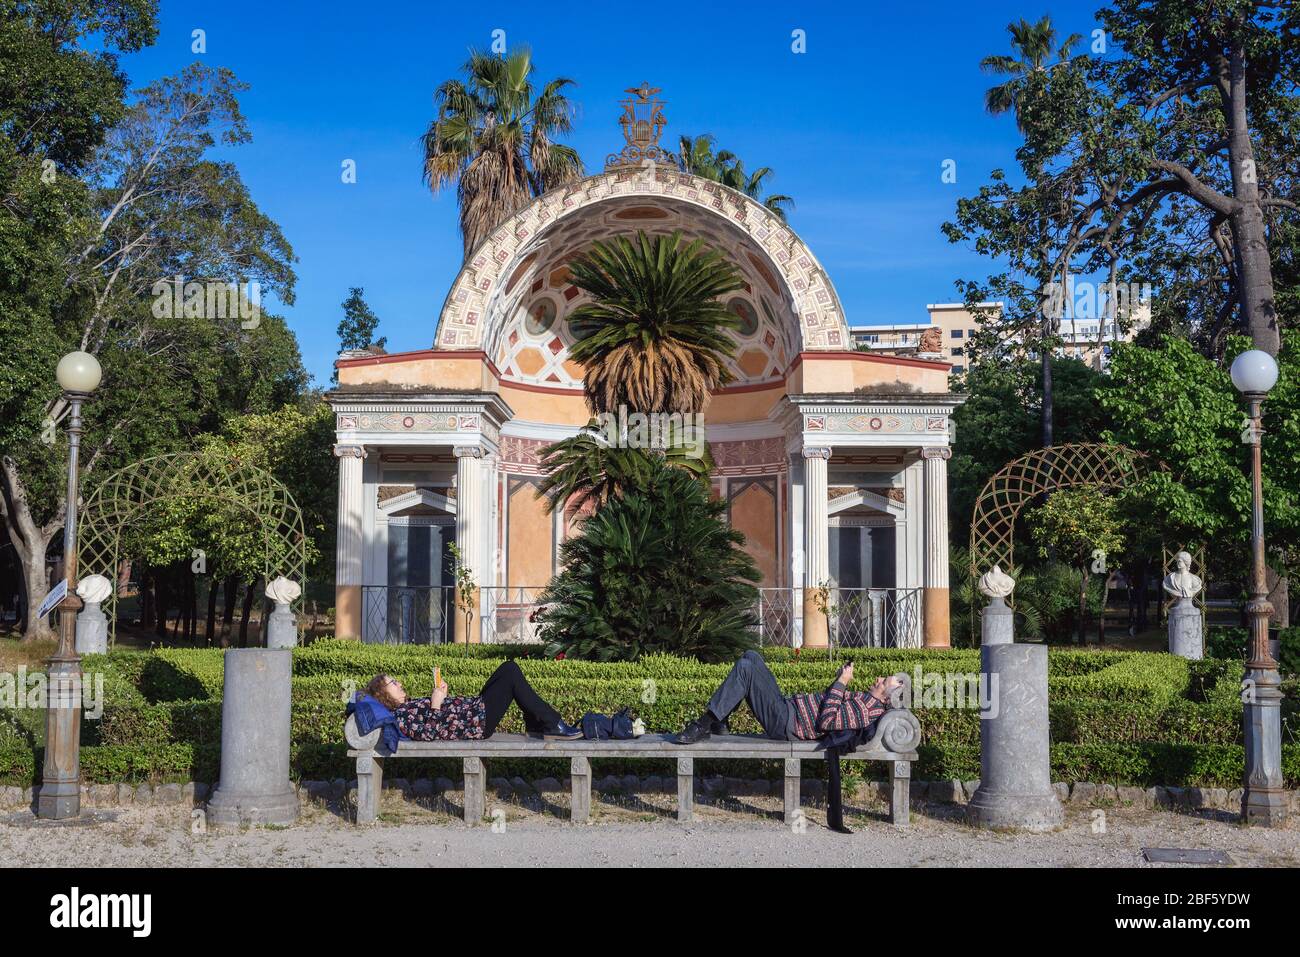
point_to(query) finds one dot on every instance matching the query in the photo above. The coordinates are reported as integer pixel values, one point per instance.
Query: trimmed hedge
(1121, 717)
(1231, 643)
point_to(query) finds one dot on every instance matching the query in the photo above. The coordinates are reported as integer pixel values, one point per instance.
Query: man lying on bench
(469, 717)
(798, 717)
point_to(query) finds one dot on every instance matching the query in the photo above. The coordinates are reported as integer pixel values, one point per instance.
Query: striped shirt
(837, 710)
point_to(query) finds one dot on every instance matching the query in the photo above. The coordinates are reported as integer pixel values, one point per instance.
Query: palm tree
(1033, 44)
(495, 138)
(698, 157)
(656, 338)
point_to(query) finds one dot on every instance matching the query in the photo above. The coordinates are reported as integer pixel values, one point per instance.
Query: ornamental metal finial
(643, 123)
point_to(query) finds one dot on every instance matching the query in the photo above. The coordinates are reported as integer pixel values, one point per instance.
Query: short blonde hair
(378, 688)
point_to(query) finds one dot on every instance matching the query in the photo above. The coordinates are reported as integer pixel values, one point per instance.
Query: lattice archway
(1021, 481)
(118, 503)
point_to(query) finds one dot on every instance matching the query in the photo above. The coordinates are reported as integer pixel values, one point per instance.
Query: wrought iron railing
(408, 614)
(856, 617)
(874, 617)
(508, 613)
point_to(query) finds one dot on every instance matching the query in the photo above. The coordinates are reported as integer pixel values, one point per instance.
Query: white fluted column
(471, 514)
(817, 549)
(349, 542)
(935, 597)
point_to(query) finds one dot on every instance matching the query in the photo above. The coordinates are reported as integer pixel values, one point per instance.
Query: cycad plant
(590, 468)
(655, 570)
(657, 334)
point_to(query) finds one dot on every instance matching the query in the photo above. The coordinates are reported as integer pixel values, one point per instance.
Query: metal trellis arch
(1021, 481)
(119, 501)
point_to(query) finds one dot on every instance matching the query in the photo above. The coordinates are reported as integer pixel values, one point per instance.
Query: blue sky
(856, 128)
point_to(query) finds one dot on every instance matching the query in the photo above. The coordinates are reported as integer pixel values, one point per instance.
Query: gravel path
(631, 832)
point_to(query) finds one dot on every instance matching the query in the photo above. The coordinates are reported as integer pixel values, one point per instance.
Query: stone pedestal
(281, 627)
(1185, 631)
(92, 630)
(255, 787)
(997, 623)
(1015, 763)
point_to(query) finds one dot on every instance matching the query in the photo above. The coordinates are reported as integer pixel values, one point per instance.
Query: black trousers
(508, 684)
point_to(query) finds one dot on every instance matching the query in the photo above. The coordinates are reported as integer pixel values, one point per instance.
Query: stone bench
(895, 740)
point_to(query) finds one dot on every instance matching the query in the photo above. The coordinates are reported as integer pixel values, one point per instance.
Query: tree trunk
(212, 611)
(162, 602)
(30, 542)
(247, 611)
(1249, 233)
(1047, 393)
(37, 583)
(229, 592)
(1083, 608)
(1279, 597)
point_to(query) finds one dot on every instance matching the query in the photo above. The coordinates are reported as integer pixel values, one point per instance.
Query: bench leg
(580, 774)
(475, 790)
(370, 785)
(793, 774)
(900, 797)
(685, 790)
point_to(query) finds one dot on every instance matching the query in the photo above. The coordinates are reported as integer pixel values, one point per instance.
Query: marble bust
(1181, 583)
(995, 583)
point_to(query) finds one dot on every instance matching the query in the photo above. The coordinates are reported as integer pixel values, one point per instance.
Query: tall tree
(157, 208)
(495, 137)
(1018, 225)
(1031, 44)
(1188, 130)
(358, 325)
(655, 337)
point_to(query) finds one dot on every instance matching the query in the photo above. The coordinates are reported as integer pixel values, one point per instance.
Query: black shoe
(561, 732)
(697, 730)
(719, 727)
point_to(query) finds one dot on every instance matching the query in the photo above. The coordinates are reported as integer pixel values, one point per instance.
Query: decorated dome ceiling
(531, 346)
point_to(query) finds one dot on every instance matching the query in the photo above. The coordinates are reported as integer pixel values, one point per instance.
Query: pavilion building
(831, 461)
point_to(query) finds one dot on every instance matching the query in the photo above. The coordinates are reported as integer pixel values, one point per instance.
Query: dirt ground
(629, 831)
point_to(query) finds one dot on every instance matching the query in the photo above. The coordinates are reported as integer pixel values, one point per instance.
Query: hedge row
(319, 721)
(1143, 765)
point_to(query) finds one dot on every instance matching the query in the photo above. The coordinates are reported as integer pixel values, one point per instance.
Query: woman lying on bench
(442, 718)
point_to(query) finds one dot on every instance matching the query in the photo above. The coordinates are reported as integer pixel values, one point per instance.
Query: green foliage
(591, 468)
(1233, 644)
(1122, 717)
(1000, 421)
(357, 327)
(1077, 522)
(656, 334)
(495, 136)
(655, 570)
(699, 157)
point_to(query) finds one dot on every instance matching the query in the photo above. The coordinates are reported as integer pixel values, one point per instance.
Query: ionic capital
(816, 452)
(468, 451)
(937, 452)
(350, 451)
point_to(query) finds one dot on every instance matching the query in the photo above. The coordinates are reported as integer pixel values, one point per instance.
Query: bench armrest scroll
(356, 740)
(897, 730)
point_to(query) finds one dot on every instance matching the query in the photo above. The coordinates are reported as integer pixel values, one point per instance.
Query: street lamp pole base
(1264, 802)
(59, 801)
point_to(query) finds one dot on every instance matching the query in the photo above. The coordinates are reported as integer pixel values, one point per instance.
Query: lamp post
(1264, 801)
(79, 375)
